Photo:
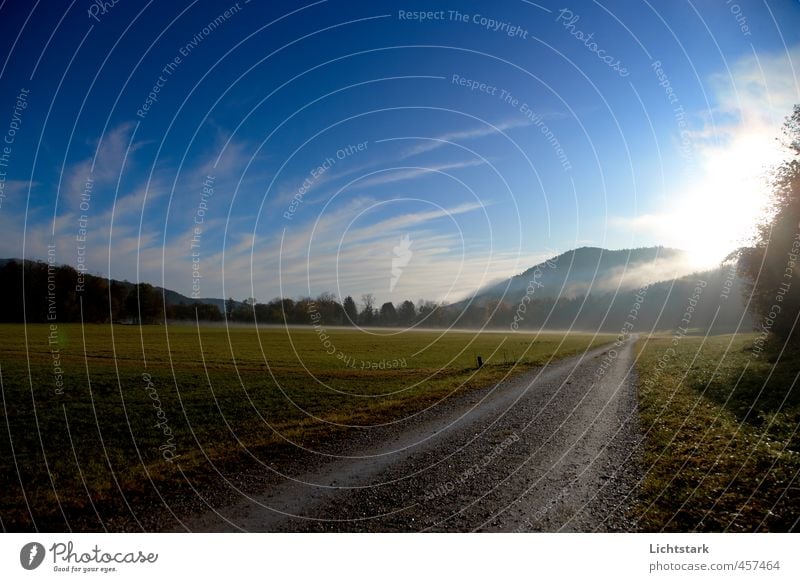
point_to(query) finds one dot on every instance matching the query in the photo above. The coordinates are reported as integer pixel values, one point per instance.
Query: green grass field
(722, 451)
(141, 404)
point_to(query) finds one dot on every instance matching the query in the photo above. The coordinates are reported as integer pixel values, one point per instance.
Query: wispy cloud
(335, 254)
(436, 142)
(114, 215)
(348, 249)
(103, 166)
(403, 174)
(393, 174)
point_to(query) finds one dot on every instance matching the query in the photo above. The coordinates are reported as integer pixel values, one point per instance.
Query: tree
(118, 293)
(406, 313)
(425, 311)
(388, 314)
(368, 312)
(288, 312)
(302, 310)
(230, 307)
(11, 292)
(207, 312)
(144, 304)
(95, 301)
(772, 265)
(350, 311)
(329, 308)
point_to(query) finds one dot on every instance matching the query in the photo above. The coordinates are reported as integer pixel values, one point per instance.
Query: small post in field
(480, 362)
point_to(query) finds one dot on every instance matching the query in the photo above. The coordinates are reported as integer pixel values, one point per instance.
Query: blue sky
(491, 138)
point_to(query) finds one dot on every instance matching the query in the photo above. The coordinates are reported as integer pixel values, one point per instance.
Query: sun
(721, 211)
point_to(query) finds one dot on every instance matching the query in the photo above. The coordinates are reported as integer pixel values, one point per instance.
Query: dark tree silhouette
(388, 314)
(367, 316)
(350, 310)
(230, 308)
(145, 304)
(406, 313)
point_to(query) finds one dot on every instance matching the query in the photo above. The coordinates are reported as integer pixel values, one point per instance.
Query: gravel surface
(555, 449)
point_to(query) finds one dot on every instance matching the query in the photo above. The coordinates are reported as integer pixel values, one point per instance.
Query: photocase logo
(402, 255)
(31, 555)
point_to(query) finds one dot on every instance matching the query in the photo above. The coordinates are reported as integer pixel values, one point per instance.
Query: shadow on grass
(767, 396)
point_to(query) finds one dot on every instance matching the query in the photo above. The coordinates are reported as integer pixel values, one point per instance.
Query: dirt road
(552, 450)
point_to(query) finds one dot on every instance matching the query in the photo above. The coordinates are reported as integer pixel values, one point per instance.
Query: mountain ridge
(590, 269)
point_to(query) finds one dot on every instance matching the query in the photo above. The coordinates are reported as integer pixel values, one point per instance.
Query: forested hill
(589, 270)
(56, 293)
(710, 301)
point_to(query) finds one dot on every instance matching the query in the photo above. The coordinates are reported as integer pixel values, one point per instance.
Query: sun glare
(720, 213)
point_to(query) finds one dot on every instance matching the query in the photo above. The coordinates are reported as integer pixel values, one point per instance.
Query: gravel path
(552, 450)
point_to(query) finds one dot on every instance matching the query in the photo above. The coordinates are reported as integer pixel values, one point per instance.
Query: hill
(596, 289)
(589, 270)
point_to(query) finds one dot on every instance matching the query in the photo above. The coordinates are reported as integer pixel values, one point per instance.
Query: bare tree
(368, 312)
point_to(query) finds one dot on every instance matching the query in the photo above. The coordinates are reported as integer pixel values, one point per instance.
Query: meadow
(722, 452)
(96, 417)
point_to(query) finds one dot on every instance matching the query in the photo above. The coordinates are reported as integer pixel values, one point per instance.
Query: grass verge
(722, 443)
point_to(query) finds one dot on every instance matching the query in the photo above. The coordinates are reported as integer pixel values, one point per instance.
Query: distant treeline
(61, 294)
(45, 292)
(327, 310)
(40, 292)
